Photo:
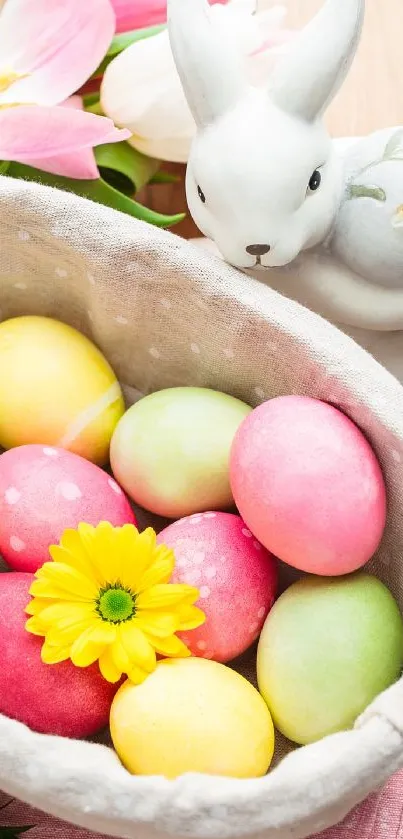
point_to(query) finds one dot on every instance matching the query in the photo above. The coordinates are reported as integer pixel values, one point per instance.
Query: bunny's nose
(258, 250)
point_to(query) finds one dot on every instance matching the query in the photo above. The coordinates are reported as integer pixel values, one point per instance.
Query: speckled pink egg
(43, 491)
(236, 577)
(51, 698)
(308, 485)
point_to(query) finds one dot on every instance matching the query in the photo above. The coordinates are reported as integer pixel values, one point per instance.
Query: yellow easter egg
(192, 715)
(56, 388)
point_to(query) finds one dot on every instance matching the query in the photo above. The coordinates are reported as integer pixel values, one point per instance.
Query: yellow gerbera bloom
(106, 596)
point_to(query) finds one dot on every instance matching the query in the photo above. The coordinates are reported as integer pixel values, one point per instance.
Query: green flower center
(116, 604)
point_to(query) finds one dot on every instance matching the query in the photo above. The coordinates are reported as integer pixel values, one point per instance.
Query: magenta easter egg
(53, 699)
(236, 577)
(308, 485)
(44, 491)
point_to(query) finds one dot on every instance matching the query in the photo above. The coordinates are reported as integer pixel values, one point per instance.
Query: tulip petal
(80, 165)
(136, 14)
(52, 139)
(55, 46)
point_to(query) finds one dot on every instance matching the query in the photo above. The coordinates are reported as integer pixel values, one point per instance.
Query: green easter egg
(328, 648)
(170, 451)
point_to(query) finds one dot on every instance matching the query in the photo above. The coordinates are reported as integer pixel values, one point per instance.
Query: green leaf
(362, 191)
(98, 191)
(4, 166)
(124, 40)
(14, 832)
(123, 167)
(394, 148)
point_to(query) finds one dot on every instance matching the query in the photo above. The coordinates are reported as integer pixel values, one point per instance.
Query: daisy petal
(56, 46)
(36, 605)
(30, 134)
(135, 554)
(166, 596)
(137, 675)
(191, 617)
(62, 615)
(41, 589)
(63, 636)
(103, 632)
(54, 655)
(157, 623)
(137, 646)
(160, 571)
(86, 649)
(104, 551)
(126, 537)
(101, 544)
(172, 647)
(35, 626)
(120, 657)
(73, 552)
(108, 667)
(62, 576)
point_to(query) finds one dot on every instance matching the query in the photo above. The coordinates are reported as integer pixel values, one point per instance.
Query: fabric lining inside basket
(166, 314)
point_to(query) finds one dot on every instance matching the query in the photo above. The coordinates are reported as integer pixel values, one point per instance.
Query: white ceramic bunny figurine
(321, 220)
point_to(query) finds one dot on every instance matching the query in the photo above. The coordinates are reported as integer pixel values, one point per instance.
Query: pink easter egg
(51, 698)
(308, 485)
(236, 577)
(43, 491)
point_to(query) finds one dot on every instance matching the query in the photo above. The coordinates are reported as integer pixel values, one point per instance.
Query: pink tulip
(48, 49)
(139, 14)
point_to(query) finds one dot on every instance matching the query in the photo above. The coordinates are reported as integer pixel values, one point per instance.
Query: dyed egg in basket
(236, 577)
(54, 699)
(56, 388)
(44, 491)
(192, 715)
(309, 486)
(170, 451)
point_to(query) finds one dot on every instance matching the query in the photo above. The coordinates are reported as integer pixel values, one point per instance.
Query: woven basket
(165, 313)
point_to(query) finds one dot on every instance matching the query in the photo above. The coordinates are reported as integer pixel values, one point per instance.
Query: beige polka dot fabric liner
(166, 313)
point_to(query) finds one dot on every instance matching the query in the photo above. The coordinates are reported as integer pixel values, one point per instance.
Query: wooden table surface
(371, 98)
(372, 95)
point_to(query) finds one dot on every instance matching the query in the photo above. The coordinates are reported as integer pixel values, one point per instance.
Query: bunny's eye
(315, 181)
(201, 195)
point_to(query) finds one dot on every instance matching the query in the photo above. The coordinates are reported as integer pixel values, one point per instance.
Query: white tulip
(141, 90)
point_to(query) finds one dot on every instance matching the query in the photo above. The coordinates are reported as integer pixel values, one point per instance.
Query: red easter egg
(236, 577)
(50, 698)
(45, 490)
(308, 485)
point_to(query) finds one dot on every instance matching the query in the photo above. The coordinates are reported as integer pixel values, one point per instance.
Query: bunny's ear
(208, 64)
(309, 76)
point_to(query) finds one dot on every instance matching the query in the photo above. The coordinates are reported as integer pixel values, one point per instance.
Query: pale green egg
(170, 451)
(328, 648)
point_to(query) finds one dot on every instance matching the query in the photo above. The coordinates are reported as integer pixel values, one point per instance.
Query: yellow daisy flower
(106, 596)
